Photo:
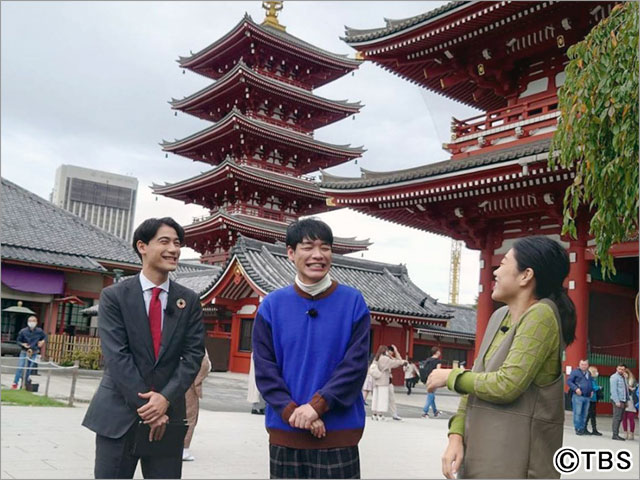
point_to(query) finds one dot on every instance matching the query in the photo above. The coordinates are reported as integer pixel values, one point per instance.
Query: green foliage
(598, 131)
(89, 360)
(24, 398)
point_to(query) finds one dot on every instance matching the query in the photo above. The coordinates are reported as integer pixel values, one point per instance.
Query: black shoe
(617, 437)
(596, 432)
(579, 432)
(255, 412)
(587, 432)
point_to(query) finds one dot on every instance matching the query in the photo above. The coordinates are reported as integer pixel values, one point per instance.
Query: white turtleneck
(314, 289)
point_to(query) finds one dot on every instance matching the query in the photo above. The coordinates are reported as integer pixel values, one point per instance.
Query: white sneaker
(397, 417)
(186, 455)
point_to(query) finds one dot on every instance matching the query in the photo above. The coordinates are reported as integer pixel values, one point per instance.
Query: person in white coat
(386, 359)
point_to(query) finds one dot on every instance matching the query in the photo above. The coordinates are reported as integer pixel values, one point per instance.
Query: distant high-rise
(106, 200)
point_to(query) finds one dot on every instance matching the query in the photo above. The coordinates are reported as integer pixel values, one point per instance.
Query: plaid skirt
(285, 462)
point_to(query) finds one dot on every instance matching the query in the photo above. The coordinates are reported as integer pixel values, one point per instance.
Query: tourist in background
(619, 396)
(431, 363)
(596, 395)
(579, 382)
(411, 375)
(31, 340)
(510, 420)
(629, 415)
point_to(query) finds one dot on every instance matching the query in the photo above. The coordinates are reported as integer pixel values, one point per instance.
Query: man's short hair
(148, 229)
(435, 350)
(622, 365)
(310, 228)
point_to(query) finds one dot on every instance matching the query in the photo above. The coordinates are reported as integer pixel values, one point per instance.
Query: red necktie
(155, 319)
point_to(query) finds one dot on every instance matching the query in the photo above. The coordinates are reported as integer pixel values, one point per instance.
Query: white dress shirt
(147, 285)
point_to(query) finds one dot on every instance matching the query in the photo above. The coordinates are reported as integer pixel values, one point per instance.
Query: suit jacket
(130, 363)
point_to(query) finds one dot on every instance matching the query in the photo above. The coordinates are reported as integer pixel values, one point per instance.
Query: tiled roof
(461, 325)
(386, 288)
(301, 92)
(342, 58)
(34, 230)
(236, 116)
(370, 179)
(199, 281)
(355, 36)
(55, 259)
(278, 178)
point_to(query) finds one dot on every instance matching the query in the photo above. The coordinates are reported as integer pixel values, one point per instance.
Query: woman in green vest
(510, 420)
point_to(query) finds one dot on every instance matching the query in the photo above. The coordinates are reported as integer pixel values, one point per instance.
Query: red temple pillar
(578, 290)
(485, 303)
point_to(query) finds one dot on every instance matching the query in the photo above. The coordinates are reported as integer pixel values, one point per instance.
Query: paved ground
(39, 442)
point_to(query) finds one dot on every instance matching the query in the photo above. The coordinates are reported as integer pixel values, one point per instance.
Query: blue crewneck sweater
(321, 360)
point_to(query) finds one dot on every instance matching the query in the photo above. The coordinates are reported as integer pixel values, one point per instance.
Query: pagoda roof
(253, 174)
(275, 230)
(236, 118)
(363, 36)
(386, 288)
(473, 51)
(242, 71)
(278, 38)
(371, 179)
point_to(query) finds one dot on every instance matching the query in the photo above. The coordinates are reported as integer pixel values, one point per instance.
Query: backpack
(374, 370)
(426, 367)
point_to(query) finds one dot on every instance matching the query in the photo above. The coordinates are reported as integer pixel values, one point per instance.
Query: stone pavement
(48, 442)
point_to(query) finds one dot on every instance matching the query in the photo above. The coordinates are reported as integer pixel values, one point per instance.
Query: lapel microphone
(312, 312)
(504, 329)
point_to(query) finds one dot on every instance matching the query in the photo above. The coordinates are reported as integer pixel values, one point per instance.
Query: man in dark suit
(153, 342)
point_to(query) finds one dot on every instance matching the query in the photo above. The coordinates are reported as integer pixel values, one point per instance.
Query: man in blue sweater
(579, 383)
(310, 349)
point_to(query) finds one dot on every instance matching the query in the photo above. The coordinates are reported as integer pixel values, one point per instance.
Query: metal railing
(28, 369)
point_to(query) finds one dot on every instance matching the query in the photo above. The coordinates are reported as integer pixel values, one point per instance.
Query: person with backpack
(426, 367)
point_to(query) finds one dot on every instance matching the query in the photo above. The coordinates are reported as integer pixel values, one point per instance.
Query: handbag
(374, 370)
(170, 445)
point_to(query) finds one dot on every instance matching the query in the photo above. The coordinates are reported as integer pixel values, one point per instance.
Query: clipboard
(170, 445)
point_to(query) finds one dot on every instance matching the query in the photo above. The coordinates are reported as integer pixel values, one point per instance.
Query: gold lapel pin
(181, 303)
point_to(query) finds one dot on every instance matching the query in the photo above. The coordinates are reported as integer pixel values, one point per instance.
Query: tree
(598, 132)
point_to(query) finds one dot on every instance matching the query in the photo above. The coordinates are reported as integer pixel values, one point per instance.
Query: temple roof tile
(356, 36)
(285, 87)
(236, 116)
(371, 179)
(247, 23)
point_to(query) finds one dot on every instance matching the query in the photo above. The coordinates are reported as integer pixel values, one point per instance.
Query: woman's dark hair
(148, 229)
(382, 349)
(435, 350)
(310, 228)
(550, 264)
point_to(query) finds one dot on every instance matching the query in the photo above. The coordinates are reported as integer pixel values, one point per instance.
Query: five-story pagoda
(262, 143)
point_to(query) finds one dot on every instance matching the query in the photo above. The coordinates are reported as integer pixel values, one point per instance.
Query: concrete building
(106, 200)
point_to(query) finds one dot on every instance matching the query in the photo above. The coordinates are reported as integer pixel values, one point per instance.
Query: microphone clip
(312, 312)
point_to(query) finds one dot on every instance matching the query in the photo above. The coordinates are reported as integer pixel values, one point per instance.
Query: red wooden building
(507, 59)
(262, 143)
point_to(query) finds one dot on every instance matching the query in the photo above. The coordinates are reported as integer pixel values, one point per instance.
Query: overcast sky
(87, 83)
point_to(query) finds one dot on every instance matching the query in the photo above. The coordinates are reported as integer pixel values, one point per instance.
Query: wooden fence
(61, 346)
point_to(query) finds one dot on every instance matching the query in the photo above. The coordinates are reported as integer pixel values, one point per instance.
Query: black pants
(591, 415)
(287, 462)
(409, 384)
(114, 460)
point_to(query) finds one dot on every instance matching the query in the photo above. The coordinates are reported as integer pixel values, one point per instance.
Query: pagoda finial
(271, 18)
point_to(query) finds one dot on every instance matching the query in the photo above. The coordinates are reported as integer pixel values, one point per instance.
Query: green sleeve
(456, 423)
(536, 337)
